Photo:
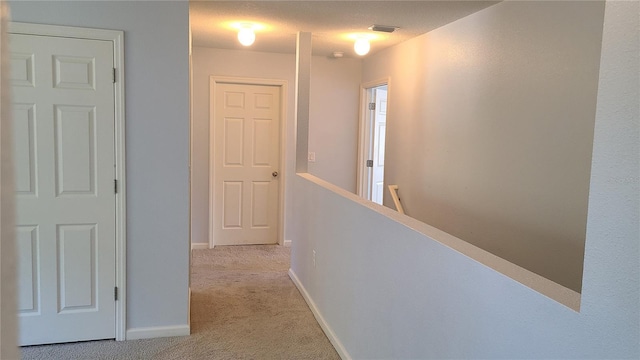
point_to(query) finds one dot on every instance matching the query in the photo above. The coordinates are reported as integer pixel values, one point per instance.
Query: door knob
(274, 174)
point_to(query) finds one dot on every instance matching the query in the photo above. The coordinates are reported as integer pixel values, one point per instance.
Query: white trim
(213, 80)
(189, 308)
(199, 246)
(62, 31)
(286, 243)
(363, 130)
(158, 332)
(344, 355)
(190, 155)
(117, 38)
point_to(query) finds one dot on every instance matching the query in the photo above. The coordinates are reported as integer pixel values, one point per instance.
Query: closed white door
(64, 148)
(380, 128)
(246, 164)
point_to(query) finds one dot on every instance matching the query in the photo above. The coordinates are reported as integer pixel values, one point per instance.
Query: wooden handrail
(393, 189)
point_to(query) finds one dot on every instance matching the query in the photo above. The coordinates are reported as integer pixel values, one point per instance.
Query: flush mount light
(362, 46)
(362, 41)
(246, 35)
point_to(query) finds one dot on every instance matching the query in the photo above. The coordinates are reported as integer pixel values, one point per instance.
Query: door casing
(364, 136)
(117, 39)
(282, 84)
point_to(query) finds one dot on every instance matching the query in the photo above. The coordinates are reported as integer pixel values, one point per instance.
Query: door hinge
(115, 186)
(115, 293)
(114, 75)
(372, 106)
(369, 163)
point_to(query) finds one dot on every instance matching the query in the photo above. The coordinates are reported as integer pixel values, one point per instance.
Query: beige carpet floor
(243, 306)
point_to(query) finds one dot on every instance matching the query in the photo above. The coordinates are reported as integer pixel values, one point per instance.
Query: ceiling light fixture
(246, 35)
(362, 46)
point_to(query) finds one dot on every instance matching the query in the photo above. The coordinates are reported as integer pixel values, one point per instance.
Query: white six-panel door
(246, 156)
(63, 99)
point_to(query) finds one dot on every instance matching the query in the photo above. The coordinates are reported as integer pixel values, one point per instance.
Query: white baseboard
(286, 243)
(158, 332)
(344, 355)
(199, 246)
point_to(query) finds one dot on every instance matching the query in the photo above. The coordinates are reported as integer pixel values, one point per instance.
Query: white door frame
(364, 135)
(282, 84)
(117, 38)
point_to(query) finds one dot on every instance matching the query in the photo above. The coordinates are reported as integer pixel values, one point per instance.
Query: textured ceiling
(330, 22)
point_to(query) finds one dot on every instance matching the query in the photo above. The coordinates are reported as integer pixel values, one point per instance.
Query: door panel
(74, 72)
(232, 205)
(22, 69)
(262, 142)
(260, 204)
(77, 267)
(64, 130)
(29, 289)
(246, 124)
(75, 150)
(24, 128)
(233, 142)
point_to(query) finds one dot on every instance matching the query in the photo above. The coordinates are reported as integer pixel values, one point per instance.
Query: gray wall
(490, 129)
(157, 145)
(334, 120)
(385, 286)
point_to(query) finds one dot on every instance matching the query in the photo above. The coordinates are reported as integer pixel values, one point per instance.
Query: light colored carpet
(243, 306)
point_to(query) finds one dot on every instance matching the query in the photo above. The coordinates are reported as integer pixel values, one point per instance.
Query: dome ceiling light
(246, 35)
(362, 46)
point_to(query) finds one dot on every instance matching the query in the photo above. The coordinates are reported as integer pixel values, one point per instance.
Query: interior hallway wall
(386, 287)
(156, 43)
(334, 105)
(490, 129)
(333, 119)
(232, 63)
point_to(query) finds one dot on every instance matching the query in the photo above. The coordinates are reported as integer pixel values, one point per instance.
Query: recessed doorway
(246, 188)
(373, 127)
